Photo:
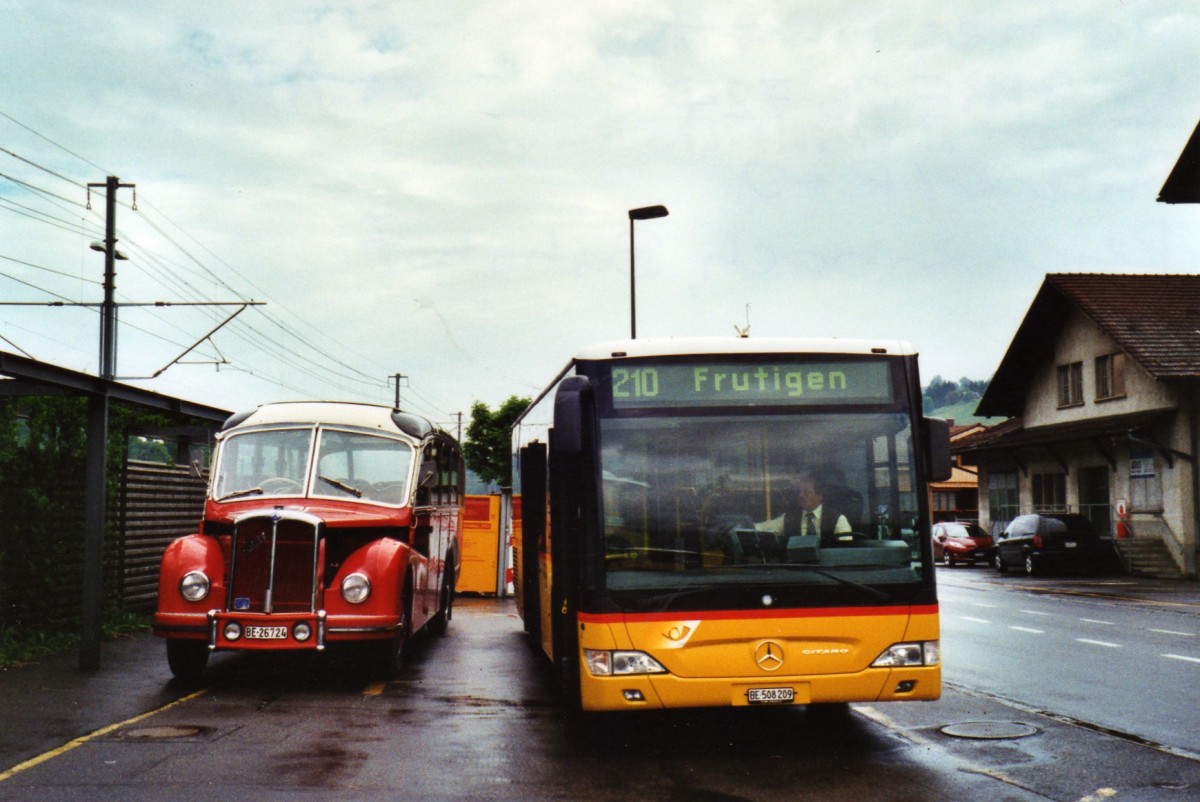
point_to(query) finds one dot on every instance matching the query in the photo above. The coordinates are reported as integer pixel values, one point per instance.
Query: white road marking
(1027, 629)
(974, 620)
(1099, 643)
(1173, 632)
(1036, 612)
(1183, 657)
(1097, 621)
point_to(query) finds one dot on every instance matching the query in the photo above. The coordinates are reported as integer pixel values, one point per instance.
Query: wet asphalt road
(474, 717)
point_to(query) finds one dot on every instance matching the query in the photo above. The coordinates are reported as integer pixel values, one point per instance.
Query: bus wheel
(187, 658)
(441, 622)
(393, 650)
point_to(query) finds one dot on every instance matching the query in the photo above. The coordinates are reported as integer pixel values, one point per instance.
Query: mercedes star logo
(768, 655)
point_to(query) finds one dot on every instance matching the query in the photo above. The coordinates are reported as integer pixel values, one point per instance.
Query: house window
(1110, 376)
(1049, 492)
(1145, 484)
(1003, 501)
(1070, 384)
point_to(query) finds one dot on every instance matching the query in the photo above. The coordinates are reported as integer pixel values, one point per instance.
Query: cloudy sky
(441, 189)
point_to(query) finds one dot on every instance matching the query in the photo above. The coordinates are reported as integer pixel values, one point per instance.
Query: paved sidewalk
(50, 703)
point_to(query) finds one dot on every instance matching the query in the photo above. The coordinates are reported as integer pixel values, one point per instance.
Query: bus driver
(808, 514)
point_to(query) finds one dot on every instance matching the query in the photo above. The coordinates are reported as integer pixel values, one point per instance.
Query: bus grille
(286, 586)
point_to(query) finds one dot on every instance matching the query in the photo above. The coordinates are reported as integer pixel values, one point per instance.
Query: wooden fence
(158, 503)
(41, 547)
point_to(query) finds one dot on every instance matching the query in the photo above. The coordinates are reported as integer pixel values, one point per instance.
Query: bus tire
(187, 658)
(440, 623)
(393, 650)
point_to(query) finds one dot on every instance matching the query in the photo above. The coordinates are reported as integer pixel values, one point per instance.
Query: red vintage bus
(325, 523)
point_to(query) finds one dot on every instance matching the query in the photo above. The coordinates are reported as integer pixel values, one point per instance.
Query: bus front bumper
(657, 691)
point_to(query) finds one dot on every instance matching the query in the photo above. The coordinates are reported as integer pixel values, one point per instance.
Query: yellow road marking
(91, 736)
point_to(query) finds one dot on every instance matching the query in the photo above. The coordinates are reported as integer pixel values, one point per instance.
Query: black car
(1041, 542)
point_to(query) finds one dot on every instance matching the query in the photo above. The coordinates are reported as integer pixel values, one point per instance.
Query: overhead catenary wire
(294, 349)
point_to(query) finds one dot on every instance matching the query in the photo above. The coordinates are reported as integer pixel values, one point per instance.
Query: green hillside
(963, 413)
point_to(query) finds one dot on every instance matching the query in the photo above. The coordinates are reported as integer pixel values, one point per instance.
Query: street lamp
(644, 213)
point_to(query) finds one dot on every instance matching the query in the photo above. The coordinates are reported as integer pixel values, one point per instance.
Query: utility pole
(108, 309)
(397, 377)
(97, 446)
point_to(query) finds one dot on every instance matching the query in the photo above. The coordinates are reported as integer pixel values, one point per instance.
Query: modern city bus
(325, 523)
(664, 551)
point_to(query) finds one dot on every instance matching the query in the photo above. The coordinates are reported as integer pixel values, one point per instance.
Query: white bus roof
(343, 413)
(679, 346)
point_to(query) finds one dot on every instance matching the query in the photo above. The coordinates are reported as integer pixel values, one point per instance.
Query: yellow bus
(729, 522)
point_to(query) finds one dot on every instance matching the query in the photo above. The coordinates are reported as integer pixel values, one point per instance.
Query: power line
(52, 142)
(315, 361)
(47, 270)
(43, 168)
(35, 188)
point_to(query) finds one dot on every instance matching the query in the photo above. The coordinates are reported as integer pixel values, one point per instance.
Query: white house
(1102, 387)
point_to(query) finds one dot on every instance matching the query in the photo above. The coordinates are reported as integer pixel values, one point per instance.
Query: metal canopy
(55, 378)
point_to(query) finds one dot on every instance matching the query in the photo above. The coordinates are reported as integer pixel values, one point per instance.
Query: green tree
(488, 450)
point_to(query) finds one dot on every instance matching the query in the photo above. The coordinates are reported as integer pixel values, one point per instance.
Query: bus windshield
(791, 500)
(350, 465)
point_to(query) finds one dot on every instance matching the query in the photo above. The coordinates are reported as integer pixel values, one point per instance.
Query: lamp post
(643, 213)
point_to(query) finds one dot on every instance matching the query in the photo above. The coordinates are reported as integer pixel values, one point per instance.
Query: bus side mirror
(568, 438)
(425, 477)
(937, 443)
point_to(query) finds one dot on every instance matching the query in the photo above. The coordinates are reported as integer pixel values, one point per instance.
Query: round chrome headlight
(356, 588)
(194, 586)
(233, 630)
(302, 631)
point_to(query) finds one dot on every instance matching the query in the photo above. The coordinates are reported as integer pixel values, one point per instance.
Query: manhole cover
(160, 733)
(990, 730)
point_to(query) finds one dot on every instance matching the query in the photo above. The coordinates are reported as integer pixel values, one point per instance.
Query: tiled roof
(1155, 319)
(1183, 184)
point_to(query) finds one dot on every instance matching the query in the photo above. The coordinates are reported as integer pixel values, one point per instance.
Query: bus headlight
(920, 653)
(604, 663)
(356, 588)
(194, 586)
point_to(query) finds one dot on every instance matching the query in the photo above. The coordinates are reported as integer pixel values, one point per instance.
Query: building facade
(1100, 385)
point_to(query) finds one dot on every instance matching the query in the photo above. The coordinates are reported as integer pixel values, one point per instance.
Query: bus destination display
(701, 384)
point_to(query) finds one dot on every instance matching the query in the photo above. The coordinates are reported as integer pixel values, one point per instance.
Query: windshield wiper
(660, 601)
(850, 583)
(249, 491)
(354, 491)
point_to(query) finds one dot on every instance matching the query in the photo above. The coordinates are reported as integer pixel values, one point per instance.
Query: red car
(955, 542)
